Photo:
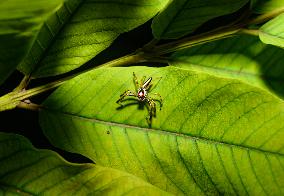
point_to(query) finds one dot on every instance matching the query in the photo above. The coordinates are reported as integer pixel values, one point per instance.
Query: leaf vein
(254, 173)
(204, 168)
(238, 171)
(188, 170)
(158, 161)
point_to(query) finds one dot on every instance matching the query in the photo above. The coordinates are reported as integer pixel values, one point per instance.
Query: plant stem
(195, 40)
(23, 84)
(254, 32)
(136, 57)
(217, 34)
(150, 45)
(265, 17)
(29, 106)
(125, 60)
(12, 99)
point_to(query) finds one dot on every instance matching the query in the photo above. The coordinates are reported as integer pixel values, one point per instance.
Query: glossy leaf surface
(244, 57)
(94, 25)
(272, 32)
(213, 135)
(25, 170)
(19, 25)
(182, 17)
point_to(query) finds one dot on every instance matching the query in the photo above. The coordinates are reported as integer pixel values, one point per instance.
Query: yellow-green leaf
(272, 32)
(213, 135)
(244, 57)
(25, 170)
(94, 25)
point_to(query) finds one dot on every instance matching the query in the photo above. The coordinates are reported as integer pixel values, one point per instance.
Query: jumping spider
(142, 96)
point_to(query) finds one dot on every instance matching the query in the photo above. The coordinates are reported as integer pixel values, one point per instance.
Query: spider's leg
(143, 80)
(125, 94)
(152, 110)
(135, 81)
(153, 86)
(160, 99)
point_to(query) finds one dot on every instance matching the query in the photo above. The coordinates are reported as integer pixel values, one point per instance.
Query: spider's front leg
(123, 95)
(142, 80)
(135, 81)
(152, 110)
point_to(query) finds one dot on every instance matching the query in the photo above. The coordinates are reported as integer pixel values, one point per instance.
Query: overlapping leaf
(19, 24)
(243, 57)
(182, 17)
(25, 170)
(212, 136)
(273, 31)
(47, 35)
(94, 25)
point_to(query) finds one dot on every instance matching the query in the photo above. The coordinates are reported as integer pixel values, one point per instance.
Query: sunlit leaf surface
(25, 170)
(213, 135)
(92, 27)
(244, 57)
(273, 31)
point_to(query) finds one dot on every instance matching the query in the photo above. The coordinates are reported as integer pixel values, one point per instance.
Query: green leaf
(244, 57)
(25, 170)
(264, 6)
(94, 25)
(182, 17)
(272, 32)
(212, 136)
(46, 36)
(19, 24)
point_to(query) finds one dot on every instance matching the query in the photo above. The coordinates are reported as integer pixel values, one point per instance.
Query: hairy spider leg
(160, 99)
(142, 81)
(152, 109)
(135, 82)
(147, 84)
(153, 86)
(125, 94)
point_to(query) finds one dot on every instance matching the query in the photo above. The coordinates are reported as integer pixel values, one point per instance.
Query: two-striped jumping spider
(142, 96)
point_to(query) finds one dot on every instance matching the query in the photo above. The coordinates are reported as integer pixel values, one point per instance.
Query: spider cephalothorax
(142, 95)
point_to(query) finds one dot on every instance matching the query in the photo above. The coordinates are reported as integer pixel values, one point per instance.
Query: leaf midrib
(165, 132)
(36, 66)
(270, 34)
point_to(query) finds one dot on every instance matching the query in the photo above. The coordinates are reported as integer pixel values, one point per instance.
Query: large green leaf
(20, 22)
(25, 170)
(272, 32)
(243, 57)
(46, 36)
(182, 17)
(212, 136)
(265, 6)
(94, 25)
